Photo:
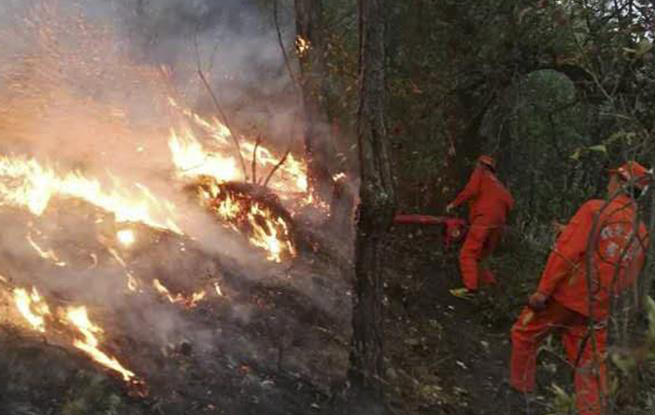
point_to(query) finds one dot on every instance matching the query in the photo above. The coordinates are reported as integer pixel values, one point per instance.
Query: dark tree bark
(318, 147)
(377, 203)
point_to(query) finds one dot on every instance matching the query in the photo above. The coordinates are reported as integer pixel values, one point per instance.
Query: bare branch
(277, 166)
(254, 159)
(287, 63)
(219, 109)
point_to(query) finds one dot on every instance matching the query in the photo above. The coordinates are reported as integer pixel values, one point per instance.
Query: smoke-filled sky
(236, 43)
(85, 83)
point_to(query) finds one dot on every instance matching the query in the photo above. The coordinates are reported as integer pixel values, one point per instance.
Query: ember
(126, 237)
(242, 209)
(49, 254)
(189, 302)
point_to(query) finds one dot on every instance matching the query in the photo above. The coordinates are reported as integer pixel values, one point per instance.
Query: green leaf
(576, 155)
(600, 148)
(643, 48)
(615, 136)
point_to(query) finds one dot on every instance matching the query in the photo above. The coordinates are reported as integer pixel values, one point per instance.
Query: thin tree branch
(254, 159)
(221, 113)
(287, 63)
(277, 166)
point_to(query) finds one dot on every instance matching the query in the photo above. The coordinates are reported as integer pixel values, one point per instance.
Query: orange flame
(79, 318)
(339, 176)
(26, 183)
(192, 159)
(32, 307)
(132, 283)
(271, 234)
(126, 237)
(178, 298)
(49, 254)
(217, 287)
(302, 45)
(267, 230)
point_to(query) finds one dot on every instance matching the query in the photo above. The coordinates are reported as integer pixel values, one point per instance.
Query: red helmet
(488, 160)
(633, 171)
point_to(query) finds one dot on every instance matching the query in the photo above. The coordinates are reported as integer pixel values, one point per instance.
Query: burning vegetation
(95, 199)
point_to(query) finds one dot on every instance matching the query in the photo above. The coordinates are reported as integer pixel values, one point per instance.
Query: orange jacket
(488, 198)
(617, 249)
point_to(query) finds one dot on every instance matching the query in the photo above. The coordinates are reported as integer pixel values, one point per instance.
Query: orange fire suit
(618, 255)
(489, 204)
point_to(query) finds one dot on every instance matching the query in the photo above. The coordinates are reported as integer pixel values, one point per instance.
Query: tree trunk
(318, 147)
(377, 203)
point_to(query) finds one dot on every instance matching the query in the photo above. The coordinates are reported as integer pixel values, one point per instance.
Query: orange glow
(126, 237)
(192, 159)
(49, 254)
(132, 283)
(217, 287)
(339, 176)
(264, 228)
(33, 185)
(79, 318)
(271, 233)
(32, 307)
(302, 46)
(178, 298)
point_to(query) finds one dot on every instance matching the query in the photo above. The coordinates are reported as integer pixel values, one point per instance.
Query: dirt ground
(449, 355)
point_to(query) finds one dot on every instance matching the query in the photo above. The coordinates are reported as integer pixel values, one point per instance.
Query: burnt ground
(264, 349)
(277, 343)
(274, 342)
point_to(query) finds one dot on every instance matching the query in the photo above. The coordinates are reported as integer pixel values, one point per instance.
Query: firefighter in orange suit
(489, 204)
(563, 301)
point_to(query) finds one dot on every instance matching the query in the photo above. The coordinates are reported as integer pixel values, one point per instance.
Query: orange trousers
(532, 327)
(481, 240)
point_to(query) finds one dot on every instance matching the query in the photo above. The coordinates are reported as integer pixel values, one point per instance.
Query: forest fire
(247, 209)
(269, 233)
(34, 309)
(192, 159)
(126, 237)
(189, 302)
(95, 224)
(236, 205)
(45, 254)
(28, 184)
(31, 186)
(79, 318)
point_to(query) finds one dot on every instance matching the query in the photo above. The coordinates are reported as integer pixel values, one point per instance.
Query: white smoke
(82, 88)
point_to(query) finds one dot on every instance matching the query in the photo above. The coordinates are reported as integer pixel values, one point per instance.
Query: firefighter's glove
(537, 301)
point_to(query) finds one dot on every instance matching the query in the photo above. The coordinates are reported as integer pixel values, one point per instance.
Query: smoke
(84, 87)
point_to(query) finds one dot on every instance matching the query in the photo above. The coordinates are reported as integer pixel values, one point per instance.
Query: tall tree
(311, 55)
(377, 201)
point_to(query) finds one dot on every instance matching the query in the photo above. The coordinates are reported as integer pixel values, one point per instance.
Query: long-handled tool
(454, 229)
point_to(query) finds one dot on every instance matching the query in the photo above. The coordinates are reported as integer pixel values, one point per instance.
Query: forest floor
(448, 355)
